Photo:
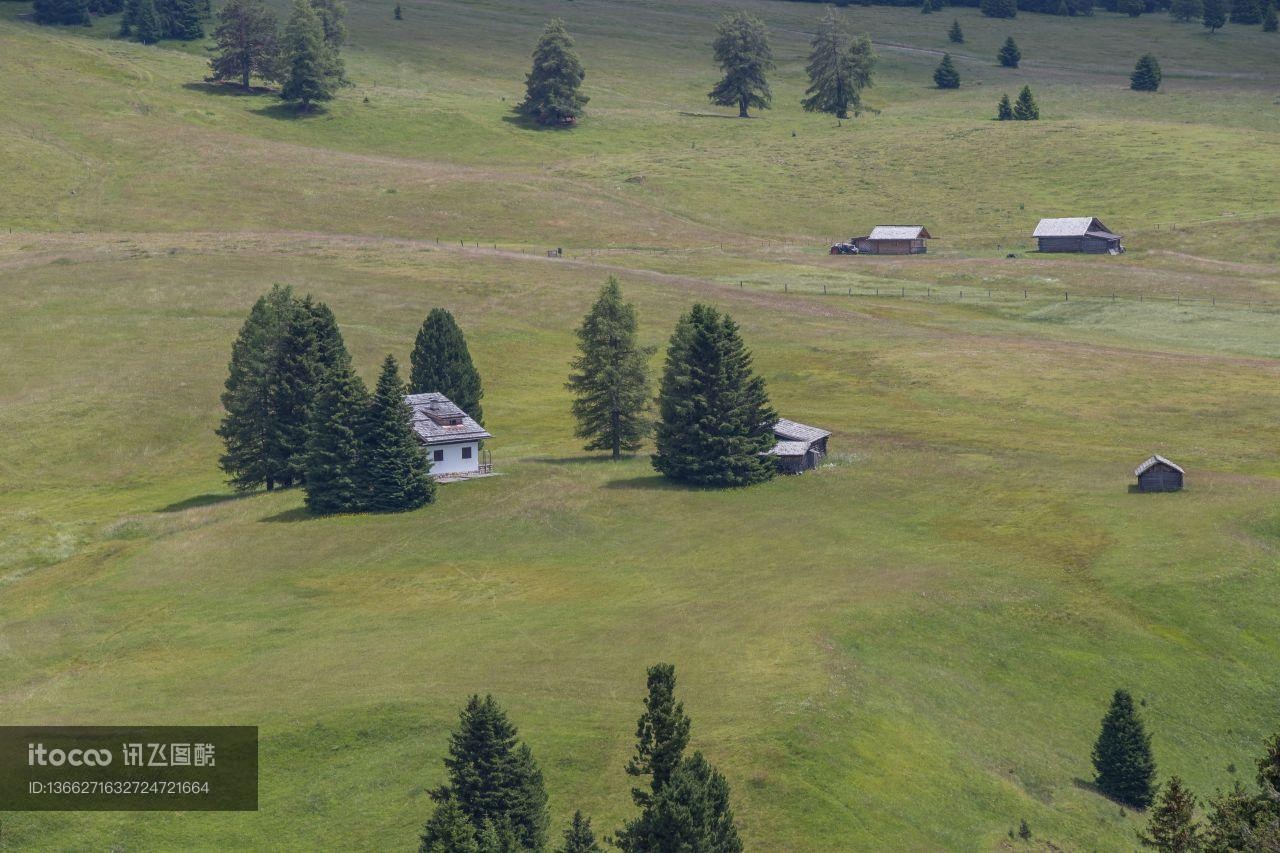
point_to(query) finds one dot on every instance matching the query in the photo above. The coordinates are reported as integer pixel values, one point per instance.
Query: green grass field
(908, 649)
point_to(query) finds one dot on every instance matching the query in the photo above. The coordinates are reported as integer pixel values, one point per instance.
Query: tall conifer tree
(247, 43)
(839, 68)
(147, 26)
(692, 812)
(1146, 74)
(334, 464)
(1004, 110)
(662, 733)
(742, 50)
(955, 34)
(945, 76)
(1172, 827)
(311, 68)
(441, 362)
(552, 97)
(610, 377)
(1122, 754)
(1026, 109)
(394, 469)
(579, 838)
(1213, 14)
(1009, 55)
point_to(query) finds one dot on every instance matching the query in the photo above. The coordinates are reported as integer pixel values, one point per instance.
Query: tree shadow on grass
(289, 516)
(291, 112)
(526, 123)
(592, 459)
(688, 114)
(208, 499)
(208, 87)
(650, 483)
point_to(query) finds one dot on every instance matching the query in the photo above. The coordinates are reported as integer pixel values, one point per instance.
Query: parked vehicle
(843, 249)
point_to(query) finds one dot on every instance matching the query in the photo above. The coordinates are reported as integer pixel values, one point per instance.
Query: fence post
(1024, 293)
(904, 293)
(824, 290)
(1066, 297)
(784, 288)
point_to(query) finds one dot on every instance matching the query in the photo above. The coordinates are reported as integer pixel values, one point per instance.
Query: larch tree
(335, 473)
(716, 424)
(955, 34)
(1122, 755)
(553, 96)
(1213, 14)
(441, 362)
(1009, 54)
(311, 69)
(578, 837)
(1146, 74)
(1185, 11)
(741, 49)
(610, 377)
(945, 76)
(394, 471)
(247, 43)
(1172, 827)
(840, 67)
(1025, 108)
(1004, 109)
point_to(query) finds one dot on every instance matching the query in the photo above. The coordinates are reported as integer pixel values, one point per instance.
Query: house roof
(789, 448)
(792, 431)
(898, 232)
(432, 408)
(1072, 226)
(1156, 460)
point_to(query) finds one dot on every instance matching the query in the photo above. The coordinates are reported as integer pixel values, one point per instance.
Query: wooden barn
(1158, 474)
(799, 446)
(893, 240)
(1084, 234)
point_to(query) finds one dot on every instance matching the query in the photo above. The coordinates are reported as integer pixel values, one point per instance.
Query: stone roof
(433, 415)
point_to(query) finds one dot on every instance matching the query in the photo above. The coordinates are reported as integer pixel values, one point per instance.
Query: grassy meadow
(907, 649)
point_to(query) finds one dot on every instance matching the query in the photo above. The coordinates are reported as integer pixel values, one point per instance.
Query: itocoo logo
(39, 756)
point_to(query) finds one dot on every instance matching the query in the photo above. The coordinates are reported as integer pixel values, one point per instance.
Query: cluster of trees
(714, 418)
(149, 21)
(1025, 109)
(305, 60)
(495, 800)
(945, 76)
(298, 414)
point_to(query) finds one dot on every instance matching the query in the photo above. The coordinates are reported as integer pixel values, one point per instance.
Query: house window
(437, 455)
(466, 453)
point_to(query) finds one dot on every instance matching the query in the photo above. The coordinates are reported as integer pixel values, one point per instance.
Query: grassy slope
(913, 646)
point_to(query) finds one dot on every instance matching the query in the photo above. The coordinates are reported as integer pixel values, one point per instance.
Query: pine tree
(492, 775)
(1004, 110)
(246, 42)
(1009, 55)
(579, 838)
(999, 8)
(1146, 75)
(839, 68)
(955, 33)
(399, 15)
(1214, 14)
(742, 50)
(552, 97)
(1246, 12)
(691, 812)
(1269, 21)
(394, 470)
(610, 377)
(181, 19)
(662, 733)
(1172, 827)
(62, 12)
(441, 362)
(1122, 755)
(716, 423)
(147, 26)
(448, 831)
(334, 464)
(945, 75)
(311, 68)
(1185, 11)
(1026, 109)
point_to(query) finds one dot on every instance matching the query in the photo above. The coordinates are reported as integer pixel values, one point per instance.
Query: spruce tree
(246, 43)
(441, 362)
(716, 422)
(1009, 55)
(690, 813)
(662, 733)
(311, 69)
(742, 51)
(333, 21)
(1184, 11)
(610, 377)
(1026, 109)
(1004, 110)
(492, 775)
(552, 97)
(955, 33)
(1146, 75)
(579, 838)
(129, 19)
(62, 12)
(448, 831)
(245, 425)
(181, 19)
(334, 464)
(999, 8)
(1246, 12)
(394, 470)
(1269, 21)
(945, 76)
(1122, 755)
(1172, 827)
(839, 69)
(1214, 14)
(147, 28)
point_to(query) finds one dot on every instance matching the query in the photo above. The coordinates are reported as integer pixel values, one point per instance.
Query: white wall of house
(453, 461)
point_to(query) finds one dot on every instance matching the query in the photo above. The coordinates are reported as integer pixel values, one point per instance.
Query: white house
(450, 438)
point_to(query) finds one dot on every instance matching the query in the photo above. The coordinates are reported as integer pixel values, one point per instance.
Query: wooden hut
(1084, 234)
(1158, 474)
(893, 240)
(799, 447)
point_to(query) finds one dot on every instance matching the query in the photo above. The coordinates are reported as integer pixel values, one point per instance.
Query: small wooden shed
(894, 240)
(799, 447)
(1158, 474)
(1084, 234)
